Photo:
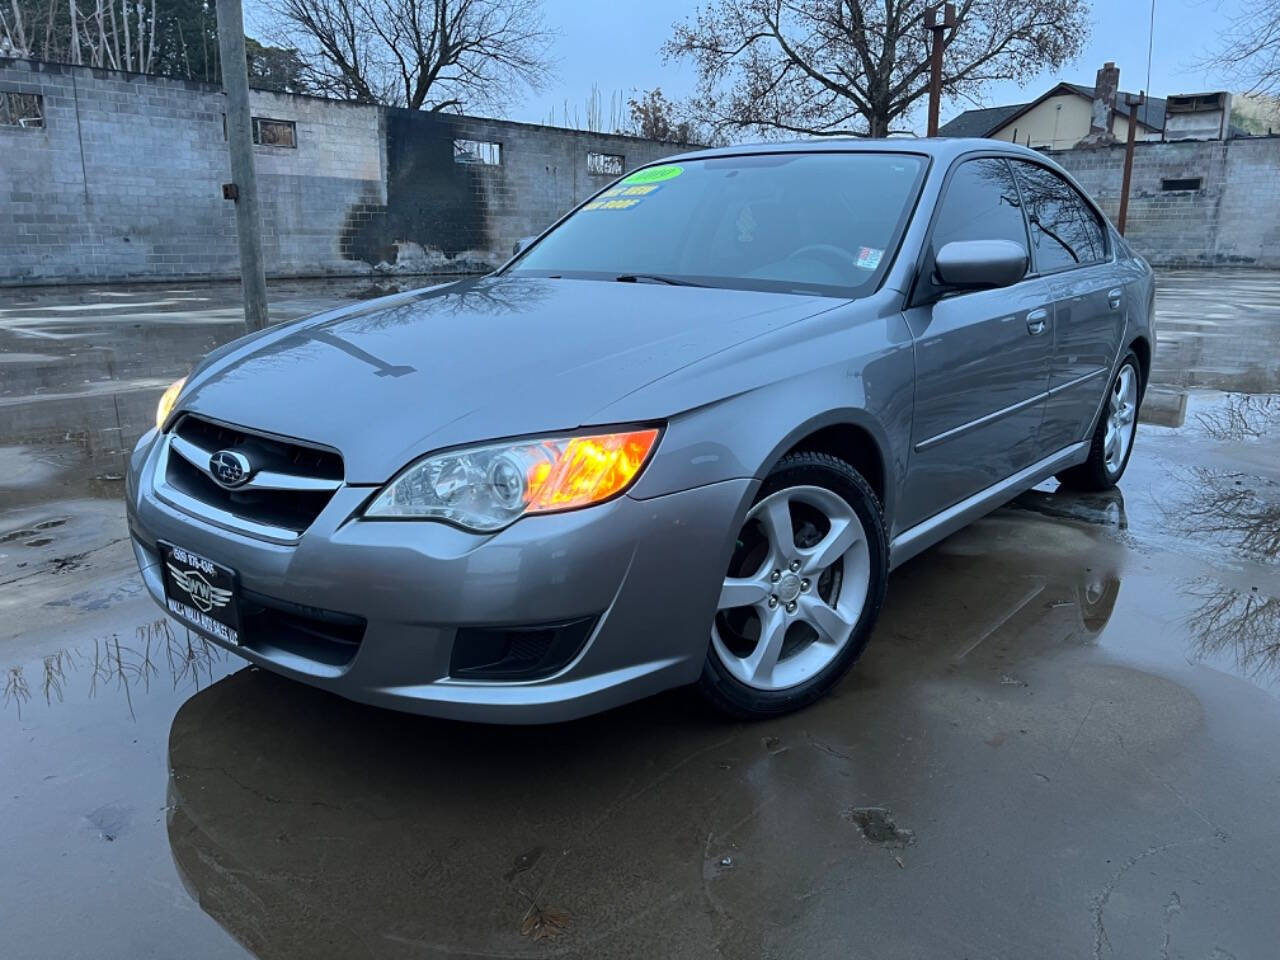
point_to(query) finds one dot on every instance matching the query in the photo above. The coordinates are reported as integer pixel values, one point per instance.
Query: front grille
(288, 509)
(267, 453)
(322, 636)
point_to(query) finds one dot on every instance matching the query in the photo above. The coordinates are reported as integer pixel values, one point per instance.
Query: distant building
(1200, 116)
(1063, 116)
(1070, 115)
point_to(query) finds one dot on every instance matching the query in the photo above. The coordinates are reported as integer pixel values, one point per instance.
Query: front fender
(841, 372)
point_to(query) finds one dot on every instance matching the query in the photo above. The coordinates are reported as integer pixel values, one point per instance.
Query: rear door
(982, 357)
(1069, 244)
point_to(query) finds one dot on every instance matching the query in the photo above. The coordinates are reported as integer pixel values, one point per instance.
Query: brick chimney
(1104, 106)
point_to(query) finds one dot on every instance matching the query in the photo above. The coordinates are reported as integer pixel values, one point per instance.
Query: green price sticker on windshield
(668, 171)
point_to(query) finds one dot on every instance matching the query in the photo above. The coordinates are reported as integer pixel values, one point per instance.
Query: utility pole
(1133, 103)
(244, 186)
(937, 27)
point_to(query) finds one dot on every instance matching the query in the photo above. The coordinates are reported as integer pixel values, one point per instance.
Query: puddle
(1073, 681)
(158, 653)
(73, 410)
(1238, 626)
(1105, 509)
(1242, 416)
(998, 702)
(1233, 510)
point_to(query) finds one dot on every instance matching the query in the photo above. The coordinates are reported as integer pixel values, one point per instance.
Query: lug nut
(773, 602)
(791, 607)
(775, 576)
(795, 565)
(804, 585)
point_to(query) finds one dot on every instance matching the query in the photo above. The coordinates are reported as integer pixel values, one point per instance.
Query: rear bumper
(647, 572)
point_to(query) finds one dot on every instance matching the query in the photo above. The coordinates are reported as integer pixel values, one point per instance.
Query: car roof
(943, 148)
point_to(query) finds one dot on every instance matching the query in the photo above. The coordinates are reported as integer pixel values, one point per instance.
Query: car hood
(388, 380)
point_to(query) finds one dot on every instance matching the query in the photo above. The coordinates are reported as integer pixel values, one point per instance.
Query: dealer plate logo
(203, 594)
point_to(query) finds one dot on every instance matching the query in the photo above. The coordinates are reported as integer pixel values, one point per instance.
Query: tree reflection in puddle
(120, 667)
(1244, 625)
(1242, 416)
(1236, 509)
(1242, 512)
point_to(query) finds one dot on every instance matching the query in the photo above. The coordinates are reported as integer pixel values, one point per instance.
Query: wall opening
(1181, 183)
(275, 133)
(484, 152)
(21, 109)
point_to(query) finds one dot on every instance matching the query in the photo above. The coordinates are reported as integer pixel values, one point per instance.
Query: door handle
(1114, 297)
(1036, 321)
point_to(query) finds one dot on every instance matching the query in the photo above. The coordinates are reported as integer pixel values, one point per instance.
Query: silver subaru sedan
(682, 437)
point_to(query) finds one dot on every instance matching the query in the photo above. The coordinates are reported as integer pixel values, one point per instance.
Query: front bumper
(647, 571)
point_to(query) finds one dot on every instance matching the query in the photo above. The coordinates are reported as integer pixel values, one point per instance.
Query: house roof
(1150, 114)
(979, 123)
(987, 120)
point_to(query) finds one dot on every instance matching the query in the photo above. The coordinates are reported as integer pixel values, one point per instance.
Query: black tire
(735, 698)
(1093, 474)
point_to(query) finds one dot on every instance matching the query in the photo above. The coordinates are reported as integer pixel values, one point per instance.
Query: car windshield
(822, 223)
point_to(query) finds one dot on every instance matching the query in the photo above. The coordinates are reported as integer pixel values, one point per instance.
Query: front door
(982, 357)
(1068, 241)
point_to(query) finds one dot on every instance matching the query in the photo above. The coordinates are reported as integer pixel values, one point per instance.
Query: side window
(1065, 231)
(981, 203)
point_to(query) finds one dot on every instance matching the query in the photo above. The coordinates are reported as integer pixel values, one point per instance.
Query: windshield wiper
(654, 278)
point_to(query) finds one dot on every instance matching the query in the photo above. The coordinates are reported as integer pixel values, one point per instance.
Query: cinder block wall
(1232, 219)
(123, 182)
(108, 187)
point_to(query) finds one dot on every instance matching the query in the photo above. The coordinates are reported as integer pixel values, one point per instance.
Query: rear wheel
(802, 592)
(1113, 438)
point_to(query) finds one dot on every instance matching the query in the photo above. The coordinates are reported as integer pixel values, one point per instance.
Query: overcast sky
(615, 45)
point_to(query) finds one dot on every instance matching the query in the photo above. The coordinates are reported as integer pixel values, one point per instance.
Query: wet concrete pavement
(1060, 742)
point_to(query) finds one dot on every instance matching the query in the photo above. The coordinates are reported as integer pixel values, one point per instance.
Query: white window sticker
(869, 257)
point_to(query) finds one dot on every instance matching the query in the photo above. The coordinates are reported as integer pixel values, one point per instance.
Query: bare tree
(593, 118)
(422, 54)
(71, 36)
(13, 32)
(856, 67)
(1248, 50)
(655, 117)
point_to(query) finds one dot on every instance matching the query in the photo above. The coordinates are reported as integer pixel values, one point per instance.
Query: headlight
(167, 400)
(484, 488)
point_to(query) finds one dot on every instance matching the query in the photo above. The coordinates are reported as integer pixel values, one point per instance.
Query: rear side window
(981, 203)
(1065, 231)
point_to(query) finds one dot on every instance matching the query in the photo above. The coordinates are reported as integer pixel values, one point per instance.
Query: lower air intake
(517, 653)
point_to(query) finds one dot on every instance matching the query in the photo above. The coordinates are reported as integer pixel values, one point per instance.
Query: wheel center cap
(788, 587)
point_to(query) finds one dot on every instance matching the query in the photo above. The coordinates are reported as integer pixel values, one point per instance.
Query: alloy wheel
(1122, 410)
(796, 587)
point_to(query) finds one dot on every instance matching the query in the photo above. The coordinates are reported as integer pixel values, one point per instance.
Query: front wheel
(1113, 438)
(802, 592)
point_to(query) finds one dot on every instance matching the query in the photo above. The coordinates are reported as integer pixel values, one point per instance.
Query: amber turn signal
(167, 400)
(586, 470)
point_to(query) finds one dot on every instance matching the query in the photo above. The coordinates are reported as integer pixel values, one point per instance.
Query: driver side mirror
(521, 244)
(980, 264)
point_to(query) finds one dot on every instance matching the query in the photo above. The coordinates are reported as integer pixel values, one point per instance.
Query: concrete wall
(1234, 218)
(123, 182)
